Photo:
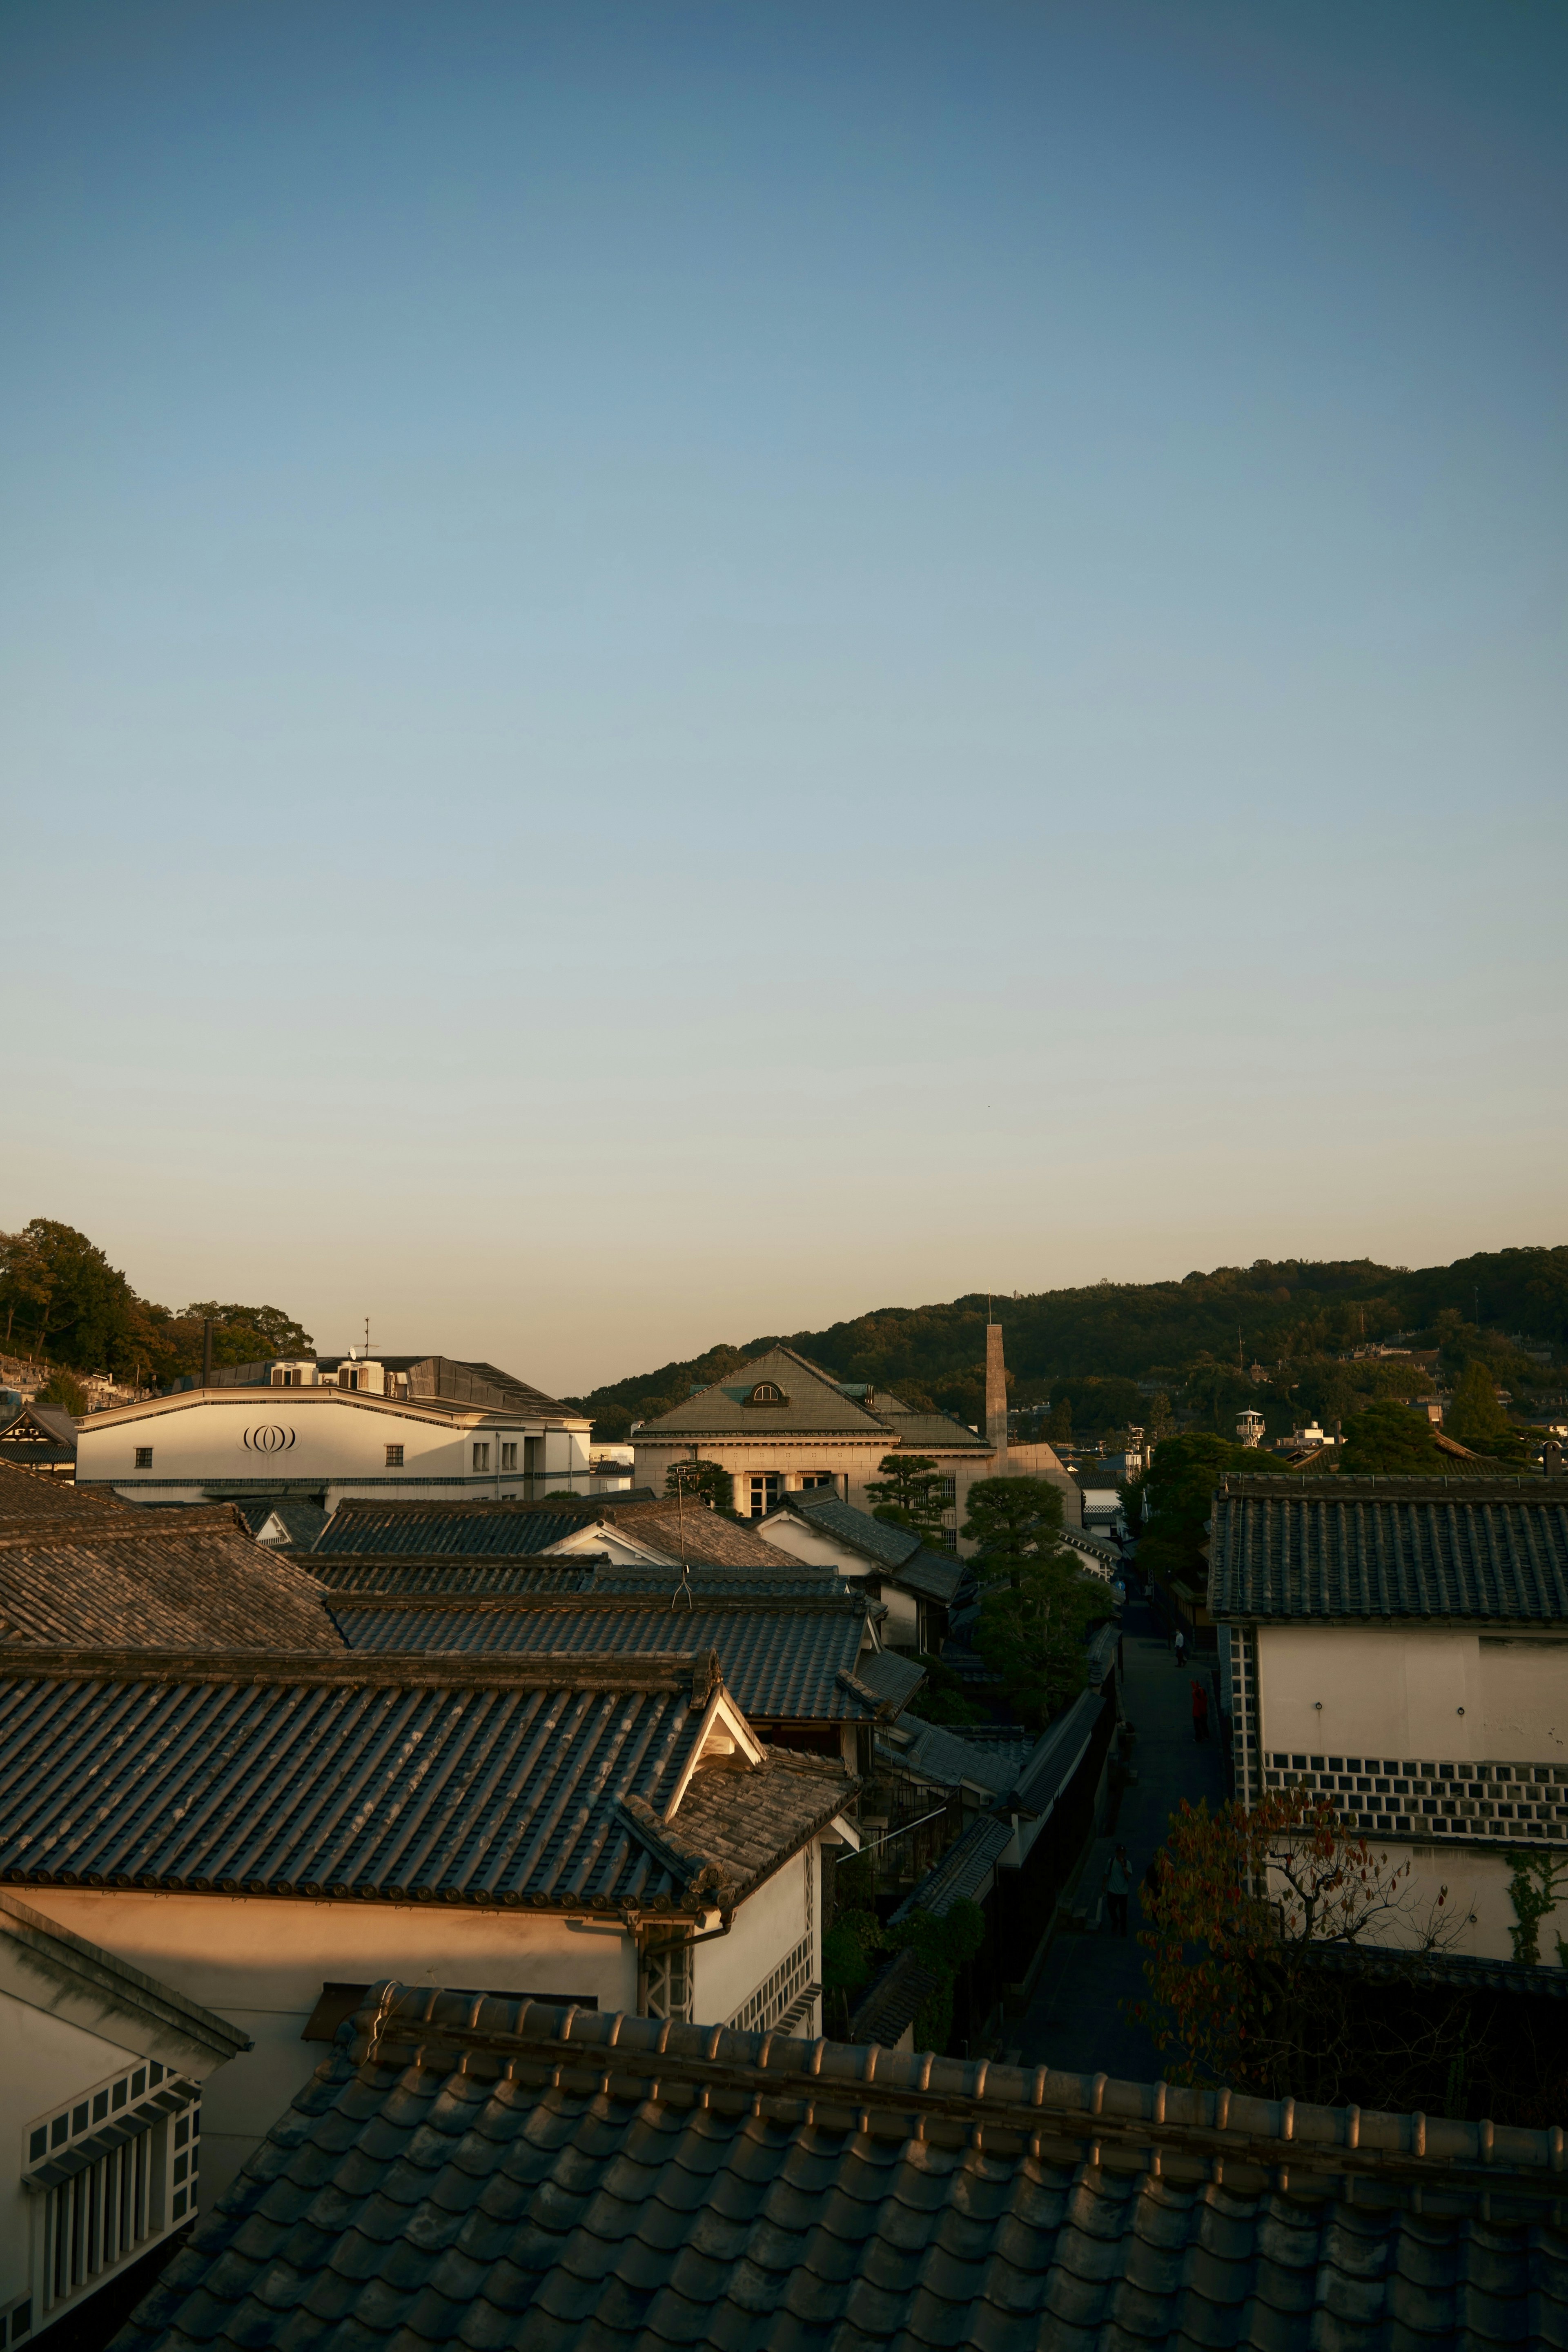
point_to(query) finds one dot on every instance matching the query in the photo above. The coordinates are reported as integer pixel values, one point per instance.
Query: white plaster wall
(1522, 1690)
(1428, 1691)
(1473, 1884)
(261, 1963)
(335, 1435)
(1431, 1694)
(769, 1925)
(809, 1544)
(47, 2060)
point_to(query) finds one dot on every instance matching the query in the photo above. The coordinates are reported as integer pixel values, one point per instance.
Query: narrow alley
(1078, 2018)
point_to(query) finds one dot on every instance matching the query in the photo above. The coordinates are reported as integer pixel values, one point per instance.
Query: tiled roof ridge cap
(87, 1527)
(908, 2084)
(1351, 1487)
(673, 1670)
(590, 1603)
(699, 1873)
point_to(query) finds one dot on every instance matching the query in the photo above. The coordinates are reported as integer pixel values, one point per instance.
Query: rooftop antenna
(685, 1584)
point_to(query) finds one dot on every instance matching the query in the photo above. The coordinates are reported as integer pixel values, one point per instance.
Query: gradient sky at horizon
(674, 671)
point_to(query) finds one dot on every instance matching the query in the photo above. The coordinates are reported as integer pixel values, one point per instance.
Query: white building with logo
(425, 1428)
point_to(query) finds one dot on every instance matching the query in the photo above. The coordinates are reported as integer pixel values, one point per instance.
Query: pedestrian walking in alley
(1117, 1887)
(1200, 1711)
(1181, 1649)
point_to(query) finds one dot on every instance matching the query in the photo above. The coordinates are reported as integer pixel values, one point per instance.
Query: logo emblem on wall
(269, 1439)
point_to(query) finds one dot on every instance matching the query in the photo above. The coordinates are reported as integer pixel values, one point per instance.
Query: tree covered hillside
(1095, 1344)
(62, 1300)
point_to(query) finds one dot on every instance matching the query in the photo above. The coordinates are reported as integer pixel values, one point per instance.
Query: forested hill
(1115, 1334)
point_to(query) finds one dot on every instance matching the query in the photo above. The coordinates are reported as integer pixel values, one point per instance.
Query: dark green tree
(911, 1493)
(24, 1287)
(943, 1946)
(1476, 1420)
(1179, 1486)
(71, 1303)
(1058, 1422)
(245, 1335)
(64, 1390)
(1389, 1440)
(940, 1700)
(702, 1483)
(1032, 1631)
(1013, 1523)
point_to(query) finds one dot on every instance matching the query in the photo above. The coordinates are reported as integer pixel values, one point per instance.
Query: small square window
(139, 2082)
(509, 1457)
(395, 1457)
(481, 1457)
(154, 2072)
(38, 2145)
(143, 1457)
(118, 2095)
(101, 2106)
(79, 2118)
(58, 2130)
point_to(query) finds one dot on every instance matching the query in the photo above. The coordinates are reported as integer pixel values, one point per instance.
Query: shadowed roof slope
(383, 1778)
(1391, 1547)
(470, 1530)
(515, 1529)
(511, 2178)
(784, 1661)
(893, 1551)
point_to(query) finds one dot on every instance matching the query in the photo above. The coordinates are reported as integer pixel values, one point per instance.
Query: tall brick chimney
(996, 1399)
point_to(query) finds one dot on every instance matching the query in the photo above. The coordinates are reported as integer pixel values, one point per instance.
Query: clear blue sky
(675, 670)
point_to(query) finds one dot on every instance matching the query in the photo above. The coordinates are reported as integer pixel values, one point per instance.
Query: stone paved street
(1076, 2019)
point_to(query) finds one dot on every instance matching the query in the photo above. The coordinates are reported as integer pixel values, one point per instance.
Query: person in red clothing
(1200, 1710)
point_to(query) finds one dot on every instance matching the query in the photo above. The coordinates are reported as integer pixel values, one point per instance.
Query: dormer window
(767, 1392)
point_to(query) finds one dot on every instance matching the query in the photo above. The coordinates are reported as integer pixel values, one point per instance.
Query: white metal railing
(779, 1991)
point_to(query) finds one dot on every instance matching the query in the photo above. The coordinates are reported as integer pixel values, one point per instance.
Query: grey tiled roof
(448, 1575)
(301, 1521)
(950, 1760)
(963, 1872)
(1057, 1754)
(901, 1557)
(1496, 1550)
(509, 2178)
(934, 1433)
(784, 1661)
(789, 1580)
(514, 1529)
(371, 1778)
(891, 2007)
(472, 1530)
(817, 1407)
(891, 1679)
(888, 1546)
